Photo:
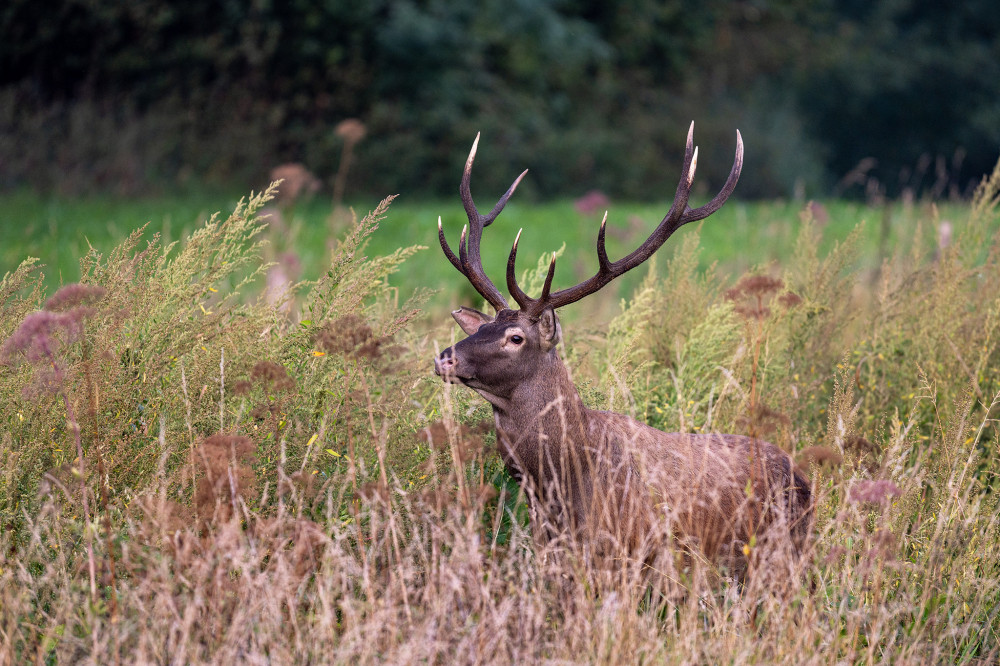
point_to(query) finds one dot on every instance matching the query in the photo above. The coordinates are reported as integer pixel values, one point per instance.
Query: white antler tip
(518, 236)
(472, 154)
(694, 166)
(439, 223)
(605, 220)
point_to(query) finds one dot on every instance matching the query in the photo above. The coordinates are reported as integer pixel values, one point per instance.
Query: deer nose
(446, 363)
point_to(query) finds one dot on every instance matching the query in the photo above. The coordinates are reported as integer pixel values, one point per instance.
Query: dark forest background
(833, 98)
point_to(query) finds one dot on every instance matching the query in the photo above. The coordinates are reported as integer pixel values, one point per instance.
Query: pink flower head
(591, 202)
(41, 333)
(74, 295)
(875, 492)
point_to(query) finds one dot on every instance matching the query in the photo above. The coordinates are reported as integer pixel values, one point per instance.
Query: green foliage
(589, 95)
(171, 323)
(874, 59)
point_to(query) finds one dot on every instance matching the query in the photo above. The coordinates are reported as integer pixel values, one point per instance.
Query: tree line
(845, 97)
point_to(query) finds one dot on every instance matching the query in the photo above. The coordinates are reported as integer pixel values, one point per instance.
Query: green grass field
(194, 474)
(60, 230)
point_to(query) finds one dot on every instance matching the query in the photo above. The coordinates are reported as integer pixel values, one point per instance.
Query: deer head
(500, 352)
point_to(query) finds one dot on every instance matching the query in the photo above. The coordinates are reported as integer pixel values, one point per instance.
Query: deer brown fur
(610, 485)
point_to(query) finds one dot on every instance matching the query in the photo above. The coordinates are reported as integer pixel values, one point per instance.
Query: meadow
(60, 230)
(223, 441)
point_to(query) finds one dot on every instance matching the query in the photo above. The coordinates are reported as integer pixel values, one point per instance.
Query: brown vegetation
(346, 538)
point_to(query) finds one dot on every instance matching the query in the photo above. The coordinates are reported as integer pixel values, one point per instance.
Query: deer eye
(516, 339)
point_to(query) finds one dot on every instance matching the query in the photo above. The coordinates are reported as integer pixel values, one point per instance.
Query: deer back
(713, 490)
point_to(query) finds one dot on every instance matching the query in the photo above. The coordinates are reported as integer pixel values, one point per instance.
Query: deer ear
(470, 320)
(549, 329)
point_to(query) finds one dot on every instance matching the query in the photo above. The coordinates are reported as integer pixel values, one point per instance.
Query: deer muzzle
(446, 366)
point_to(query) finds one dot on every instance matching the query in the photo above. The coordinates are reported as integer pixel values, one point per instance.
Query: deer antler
(678, 215)
(469, 262)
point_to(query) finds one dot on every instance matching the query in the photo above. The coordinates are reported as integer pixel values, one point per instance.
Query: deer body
(600, 477)
(611, 485)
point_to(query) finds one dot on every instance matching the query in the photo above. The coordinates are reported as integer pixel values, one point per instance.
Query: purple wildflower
(74, 295)
(874, 492)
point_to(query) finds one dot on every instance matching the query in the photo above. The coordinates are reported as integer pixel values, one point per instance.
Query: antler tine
(447, 250)
(492, 215)
(677, 208)
(469, 261)
(723, 195)
(520, 297)
(548, 280)
(602, 252)
(678, 215)
(463, 247)
(465, 190)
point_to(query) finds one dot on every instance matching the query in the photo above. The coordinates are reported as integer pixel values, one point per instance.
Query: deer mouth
(455, 379)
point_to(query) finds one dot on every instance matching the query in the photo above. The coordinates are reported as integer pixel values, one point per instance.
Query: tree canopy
(589, 94)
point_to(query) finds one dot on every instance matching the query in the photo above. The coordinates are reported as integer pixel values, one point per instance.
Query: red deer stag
(597, 477)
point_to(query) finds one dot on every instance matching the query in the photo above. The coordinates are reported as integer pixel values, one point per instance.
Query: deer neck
(541, 416)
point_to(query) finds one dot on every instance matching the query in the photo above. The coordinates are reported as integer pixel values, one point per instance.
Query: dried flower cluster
(864, 452)
(275, 384)
(64, 315)
(227, 476)
(73, 296)
(351, 130)
(819, 456)
(42, 334)
(349, 336)
(751, 293)
(296, 181)
(272, 376)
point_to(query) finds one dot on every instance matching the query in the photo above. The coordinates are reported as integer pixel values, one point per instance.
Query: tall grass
(192, 474)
